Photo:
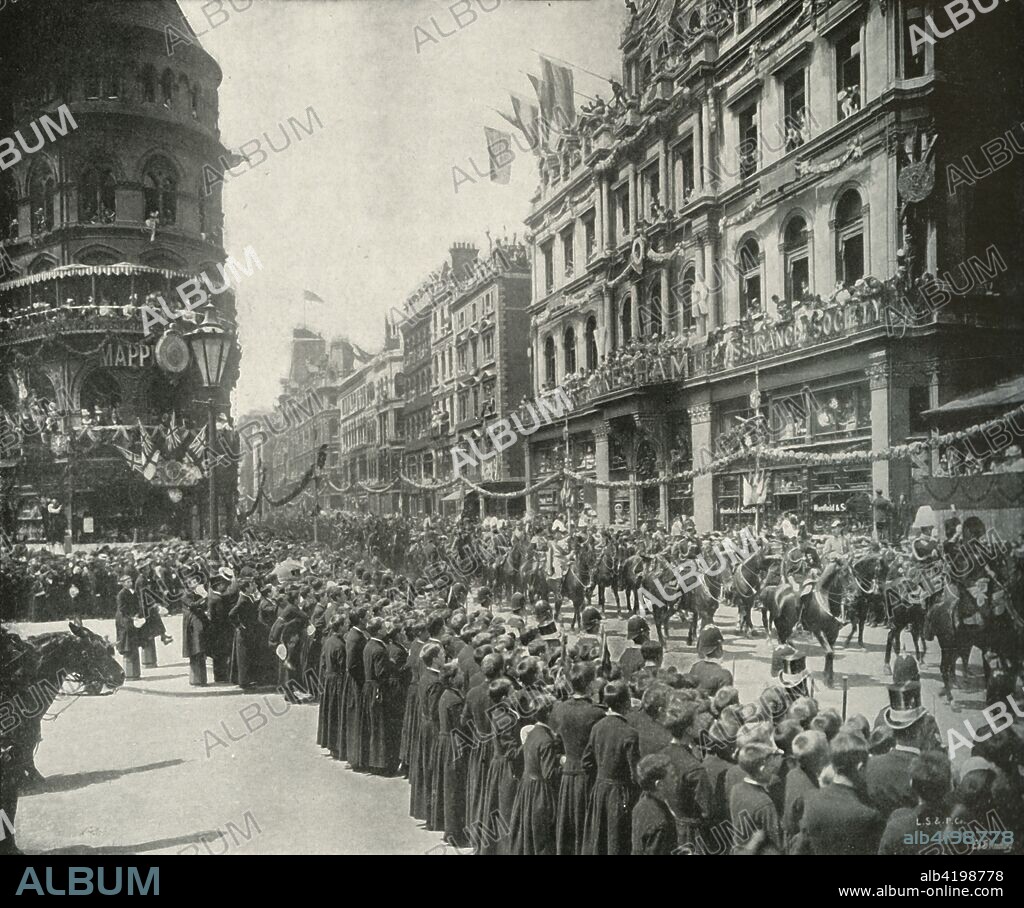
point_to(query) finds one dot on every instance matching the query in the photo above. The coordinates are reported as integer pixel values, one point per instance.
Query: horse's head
(90, 658)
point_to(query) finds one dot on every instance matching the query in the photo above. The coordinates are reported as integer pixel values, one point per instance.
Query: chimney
(463, 256)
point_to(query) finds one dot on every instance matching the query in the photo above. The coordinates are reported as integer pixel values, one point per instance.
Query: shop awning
(122, 269)
(1009, 393)
(453, 496)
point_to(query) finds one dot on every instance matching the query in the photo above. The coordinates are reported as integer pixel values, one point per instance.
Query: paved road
(162, 768)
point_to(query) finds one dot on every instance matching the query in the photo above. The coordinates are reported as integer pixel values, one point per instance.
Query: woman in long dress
(533, 815)
(448, 794)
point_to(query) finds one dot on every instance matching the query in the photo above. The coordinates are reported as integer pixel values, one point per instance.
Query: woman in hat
(534, 810)
(194, 621)
(244, 615)
(448, 790)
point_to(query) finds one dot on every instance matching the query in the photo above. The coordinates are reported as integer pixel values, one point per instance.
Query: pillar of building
(601, 470)
(631, 179)
(705, 143)
(609, 319)
(528, 473)
(634, 309)
(703, 487)
(890, 423)
(666, 306)
(698, 154)
(665, 199)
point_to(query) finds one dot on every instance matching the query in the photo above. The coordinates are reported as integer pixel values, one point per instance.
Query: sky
(362, 210)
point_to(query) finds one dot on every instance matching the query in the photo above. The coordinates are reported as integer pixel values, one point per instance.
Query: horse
(746, 584)
(811, 610)
(702, 600)
(606, 574)
(573, 588)
(945, 621)
(868, 573)
(506, 570)
(80, 656)
(631, 576)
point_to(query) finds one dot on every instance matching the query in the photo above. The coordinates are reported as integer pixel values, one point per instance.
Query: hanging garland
(307, 477)
(853, 153)
(785, 457)
(507, 496)
(257, 498)
(441, 486)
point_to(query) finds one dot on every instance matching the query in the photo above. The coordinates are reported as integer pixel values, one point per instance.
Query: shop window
(849, 238)
(749, 260)
(789, 418)
(848, 87)
(797, 259)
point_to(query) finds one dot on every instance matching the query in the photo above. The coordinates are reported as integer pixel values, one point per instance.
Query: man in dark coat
(222, 599)
(245, 616)
(573, 720)
(127, 610)
(887, 775)
(836, 820)
(194, 622)
(610, 758)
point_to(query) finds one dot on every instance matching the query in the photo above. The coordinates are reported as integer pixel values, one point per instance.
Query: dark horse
(810, 608)
(867, 573)
(574, 588)
(958, 626)
(746, 584)
(80, 656)
(606, 574)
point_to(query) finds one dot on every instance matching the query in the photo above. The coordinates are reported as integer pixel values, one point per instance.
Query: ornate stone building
(739, 250)
(104, 418)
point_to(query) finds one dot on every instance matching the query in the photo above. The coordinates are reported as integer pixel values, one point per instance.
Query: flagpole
(757, 456)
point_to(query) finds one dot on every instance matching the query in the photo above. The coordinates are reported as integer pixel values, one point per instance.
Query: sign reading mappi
(133, 355)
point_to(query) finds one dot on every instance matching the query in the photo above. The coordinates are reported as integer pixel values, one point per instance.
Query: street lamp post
(210, 345)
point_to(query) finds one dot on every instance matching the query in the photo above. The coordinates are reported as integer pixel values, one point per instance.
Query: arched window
(626, 320)
(167, 89)
(591, 341)
(742, 15)
(849, 237)
(749, 260)
(147, 84)
(8, 207)
(42, 189)
(195, 99)
(549, 360)
(569, 350)
(796, 259)
(686, 297)
(93, 83)
(97, 197)
(112, 80)
(694, 25)
(160, 191)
